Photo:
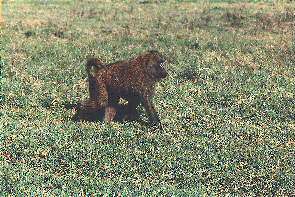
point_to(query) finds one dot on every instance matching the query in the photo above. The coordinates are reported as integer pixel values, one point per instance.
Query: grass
(227, 106)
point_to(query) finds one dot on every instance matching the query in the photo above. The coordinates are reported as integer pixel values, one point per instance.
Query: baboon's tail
(93, 64)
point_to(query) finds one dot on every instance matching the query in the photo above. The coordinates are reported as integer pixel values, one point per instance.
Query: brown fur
(133, 80)
(92, 83)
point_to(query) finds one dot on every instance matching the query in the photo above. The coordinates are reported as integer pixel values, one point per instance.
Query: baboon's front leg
(151, 112)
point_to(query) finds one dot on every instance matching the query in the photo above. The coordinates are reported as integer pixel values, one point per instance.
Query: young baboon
(89, 109)
(133, 80)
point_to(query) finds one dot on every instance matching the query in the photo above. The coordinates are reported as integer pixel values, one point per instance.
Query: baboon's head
(155, 65)
(93, 64)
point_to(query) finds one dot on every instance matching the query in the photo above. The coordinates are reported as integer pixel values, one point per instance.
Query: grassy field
(227, 105)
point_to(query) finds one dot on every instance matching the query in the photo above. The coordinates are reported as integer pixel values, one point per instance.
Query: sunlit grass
(227, 106)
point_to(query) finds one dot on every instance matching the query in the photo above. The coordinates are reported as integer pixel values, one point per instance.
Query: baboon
(89, 110)
(133, 80)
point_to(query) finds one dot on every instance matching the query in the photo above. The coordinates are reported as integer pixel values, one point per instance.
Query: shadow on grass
(96, 115)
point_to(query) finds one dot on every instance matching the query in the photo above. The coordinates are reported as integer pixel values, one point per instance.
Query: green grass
(227, 106)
